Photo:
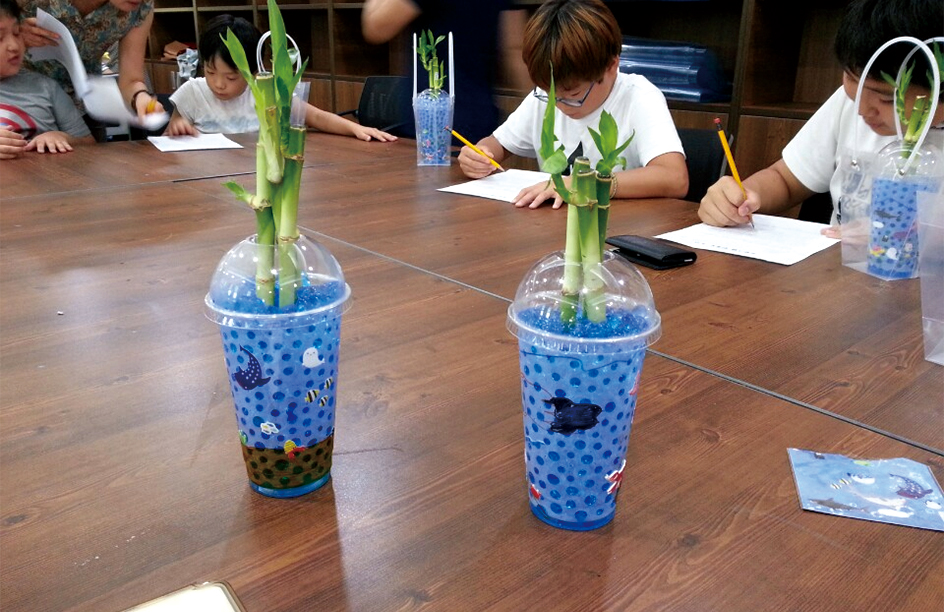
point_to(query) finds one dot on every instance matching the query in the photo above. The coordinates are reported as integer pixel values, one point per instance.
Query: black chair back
(705, 159)
(387, 104)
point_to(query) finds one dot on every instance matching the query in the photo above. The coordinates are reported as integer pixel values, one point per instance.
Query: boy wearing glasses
(582, 40)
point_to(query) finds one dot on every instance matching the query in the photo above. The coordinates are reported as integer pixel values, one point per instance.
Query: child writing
(222, 101)
(582, 41)
(35, 113)
(811, 161)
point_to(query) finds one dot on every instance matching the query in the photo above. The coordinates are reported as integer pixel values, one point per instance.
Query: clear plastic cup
(282, 362)
(579, 384)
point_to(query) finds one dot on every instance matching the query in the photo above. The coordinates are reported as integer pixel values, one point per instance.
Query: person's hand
(542, 193)
(474, 165)
(35, 36)
(50, 142)
(855, 232)
(724, 204)
(145, 104)
(365, 133)
(179, 126)
(12, 144)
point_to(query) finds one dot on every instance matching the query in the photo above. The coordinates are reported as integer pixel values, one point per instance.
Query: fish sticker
(535, 493)
(312, 395)
(250, 377)
(570, 417)
(269, 428)
(877, 251)
(906, 513)
(841, 483)
(293, 450)
(833, 504)
(311, 358)
(615, 477)
(910, 488)
(328, 382)
(243, 437)
(323, 401)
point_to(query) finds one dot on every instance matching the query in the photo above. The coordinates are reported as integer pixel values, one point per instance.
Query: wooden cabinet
(778, 56)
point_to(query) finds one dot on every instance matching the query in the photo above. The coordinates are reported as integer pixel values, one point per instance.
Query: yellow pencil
(734, 170)
(475, 148)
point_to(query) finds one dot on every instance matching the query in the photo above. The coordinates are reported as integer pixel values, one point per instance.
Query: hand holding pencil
(726, 199)
(476, 161)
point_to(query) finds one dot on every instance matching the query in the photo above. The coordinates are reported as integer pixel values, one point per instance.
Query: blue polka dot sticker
(284, 385)
(893, 236)
(578, 412)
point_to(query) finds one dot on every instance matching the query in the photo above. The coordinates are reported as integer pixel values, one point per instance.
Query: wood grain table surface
(121, 479)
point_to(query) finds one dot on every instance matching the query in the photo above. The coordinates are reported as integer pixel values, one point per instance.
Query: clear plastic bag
(878, 200)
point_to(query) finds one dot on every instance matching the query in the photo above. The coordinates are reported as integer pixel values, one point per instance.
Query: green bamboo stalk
(604, 185)
(570, 286)
(265, 255)
(265, 232)
(289, 277)
(590, 254)
(269, 133)
(916, 122)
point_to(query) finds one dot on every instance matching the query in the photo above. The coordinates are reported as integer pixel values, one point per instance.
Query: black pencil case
(651, 252)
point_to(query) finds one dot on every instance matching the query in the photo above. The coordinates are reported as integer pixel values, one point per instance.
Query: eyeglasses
(573, 102)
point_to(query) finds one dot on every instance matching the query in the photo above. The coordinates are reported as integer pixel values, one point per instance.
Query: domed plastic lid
(631, 321)
(318, 284)
(925, 164)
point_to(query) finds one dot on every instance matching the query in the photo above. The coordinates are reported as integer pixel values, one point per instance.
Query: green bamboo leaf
(241, 193)
(609, 131)
(548, 138)
(556, 163)
(278, 39)
(939, 58)
(597, 139)
(238, 54)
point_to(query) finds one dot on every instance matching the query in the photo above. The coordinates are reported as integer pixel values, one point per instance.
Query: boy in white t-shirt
(810, 162)
(222, 102)
(582, 41)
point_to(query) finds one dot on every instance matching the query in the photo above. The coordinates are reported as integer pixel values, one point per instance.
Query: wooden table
(120, 477)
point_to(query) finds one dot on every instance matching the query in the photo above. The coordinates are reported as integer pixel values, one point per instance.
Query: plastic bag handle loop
(918, 44)
(298, 54)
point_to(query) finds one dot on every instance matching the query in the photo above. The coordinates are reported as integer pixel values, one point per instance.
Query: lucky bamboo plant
(280, 153)
(921, 112)
(588, 208)
(435, 68)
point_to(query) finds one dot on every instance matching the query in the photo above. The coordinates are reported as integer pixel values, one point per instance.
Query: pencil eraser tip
(717, 121)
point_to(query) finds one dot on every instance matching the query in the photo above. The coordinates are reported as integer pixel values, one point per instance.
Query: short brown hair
(579, 37)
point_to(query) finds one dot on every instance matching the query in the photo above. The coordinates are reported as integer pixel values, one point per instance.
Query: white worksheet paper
(200, 142)
(502, 186)
(777, 239)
